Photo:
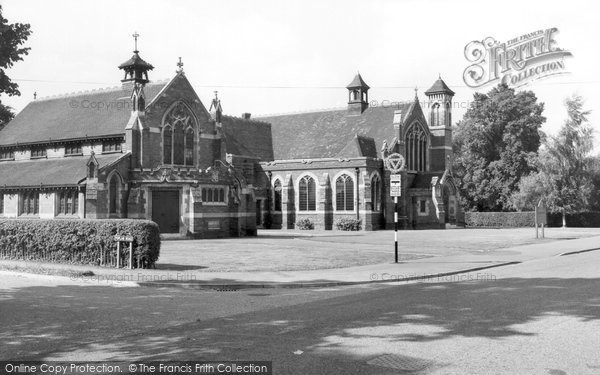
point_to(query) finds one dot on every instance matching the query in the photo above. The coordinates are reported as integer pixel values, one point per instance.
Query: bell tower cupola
(440, 104)
(136, 77)
(358, 97)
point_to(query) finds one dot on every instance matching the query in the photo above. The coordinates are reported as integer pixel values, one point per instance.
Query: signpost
(540, 217)
(395, 164)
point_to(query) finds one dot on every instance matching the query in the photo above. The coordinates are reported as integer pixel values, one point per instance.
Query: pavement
(473, 264)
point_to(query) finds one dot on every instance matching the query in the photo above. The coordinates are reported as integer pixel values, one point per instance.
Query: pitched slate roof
(68, 171)
(358, 82)
(87, 114)
(326, 134)
(439, 86)
(248, 138)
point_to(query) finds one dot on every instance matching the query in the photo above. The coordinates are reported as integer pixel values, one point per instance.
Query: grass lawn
(304, 250)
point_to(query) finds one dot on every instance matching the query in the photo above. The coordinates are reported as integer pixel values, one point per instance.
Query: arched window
(178, 145)
(307, 194)
(189, 147)
(344, 193)
(167, 143)
(376, 193)
(112, 195)
(416, 148)
(435, 115)
(277, 195)
(179, 149)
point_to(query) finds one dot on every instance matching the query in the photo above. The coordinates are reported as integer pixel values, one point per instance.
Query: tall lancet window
(178, 136)
(416, 148)
(435, 115)
(189, 147)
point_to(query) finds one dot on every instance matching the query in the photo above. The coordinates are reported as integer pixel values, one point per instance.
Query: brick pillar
(366, 213)
(288, 206)
(324, 202)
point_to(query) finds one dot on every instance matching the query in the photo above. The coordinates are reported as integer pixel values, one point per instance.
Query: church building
(152, 150)
(329, 165)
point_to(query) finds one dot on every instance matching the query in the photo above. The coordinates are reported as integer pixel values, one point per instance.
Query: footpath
(478, 265)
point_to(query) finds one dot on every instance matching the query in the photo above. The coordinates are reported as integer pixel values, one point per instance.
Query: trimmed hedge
(305, 224)
(79, 241)
(499, 219)
(580, 219)
(348, 224)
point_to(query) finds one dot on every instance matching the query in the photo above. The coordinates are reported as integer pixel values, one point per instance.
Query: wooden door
(165, 210)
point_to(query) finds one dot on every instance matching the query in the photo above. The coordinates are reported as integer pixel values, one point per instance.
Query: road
(539, 317)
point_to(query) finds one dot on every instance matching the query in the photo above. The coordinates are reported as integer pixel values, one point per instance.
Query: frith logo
(516, 62)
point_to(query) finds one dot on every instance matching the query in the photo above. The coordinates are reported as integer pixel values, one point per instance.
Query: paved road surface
(539, 317)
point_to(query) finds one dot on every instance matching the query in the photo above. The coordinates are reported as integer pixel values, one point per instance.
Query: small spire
(34, 95)
(416, 91)
(439, 76)
(135, 35)
(216, 95)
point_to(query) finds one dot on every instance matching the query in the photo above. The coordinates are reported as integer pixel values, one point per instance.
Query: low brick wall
(499, 219)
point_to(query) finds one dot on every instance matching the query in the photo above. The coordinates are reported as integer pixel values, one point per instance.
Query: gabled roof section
(439, 87)
(54, 172)
(358, 82)
(248, 138)
(359, 146)
(325, 134)
(93, 113)
(423, 179)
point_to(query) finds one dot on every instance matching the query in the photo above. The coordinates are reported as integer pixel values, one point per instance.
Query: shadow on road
(348, 329)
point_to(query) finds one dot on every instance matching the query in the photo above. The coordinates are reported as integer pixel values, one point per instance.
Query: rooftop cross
(135, 36)
(180, 65)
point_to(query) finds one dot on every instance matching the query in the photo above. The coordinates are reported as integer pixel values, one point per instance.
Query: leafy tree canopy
(494, 145)
(12, 36)
(567, 175)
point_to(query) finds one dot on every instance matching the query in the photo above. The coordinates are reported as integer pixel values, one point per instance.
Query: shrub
(79, 241)
(349, 224)
(305, 224)
(499, 219)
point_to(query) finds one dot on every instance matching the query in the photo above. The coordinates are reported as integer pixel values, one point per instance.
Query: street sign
(394, 162)
(541, 213)
(395, 185)
(124, 238)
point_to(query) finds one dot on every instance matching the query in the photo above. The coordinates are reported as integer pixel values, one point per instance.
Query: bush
(305, 224)
(499, 219)
(349, 224)
(79, 241)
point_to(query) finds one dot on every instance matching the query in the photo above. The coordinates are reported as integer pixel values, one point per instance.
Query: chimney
(246, 115)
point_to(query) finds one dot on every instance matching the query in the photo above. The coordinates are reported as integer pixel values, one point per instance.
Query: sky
(268, 57)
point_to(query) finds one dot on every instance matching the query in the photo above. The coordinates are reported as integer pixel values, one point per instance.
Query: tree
(12, 36)
(494, 145)
(566, 173)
